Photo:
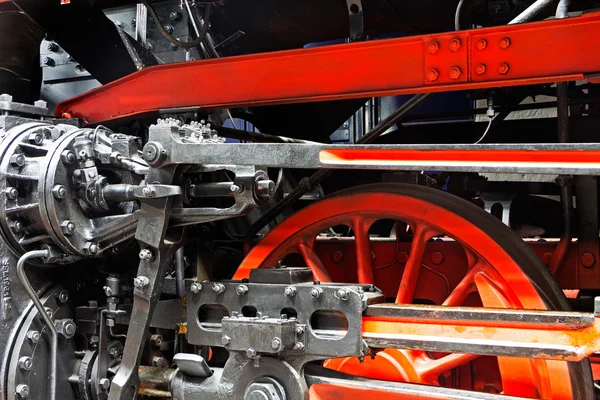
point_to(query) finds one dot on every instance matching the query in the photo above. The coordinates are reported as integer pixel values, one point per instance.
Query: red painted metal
(541, 52)
(475, 271)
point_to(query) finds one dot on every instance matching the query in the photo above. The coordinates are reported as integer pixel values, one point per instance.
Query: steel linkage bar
(523, 54)
(167, 148)
(556, 335)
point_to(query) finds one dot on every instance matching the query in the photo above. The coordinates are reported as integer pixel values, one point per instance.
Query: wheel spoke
(432, 369)
(465, 287)
(410, 276)
(364, 259)
(314, 262)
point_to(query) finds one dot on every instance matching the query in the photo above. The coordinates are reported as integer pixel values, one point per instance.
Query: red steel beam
(534, 53)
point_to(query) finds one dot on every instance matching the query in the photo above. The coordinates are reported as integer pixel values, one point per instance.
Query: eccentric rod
(42, 311)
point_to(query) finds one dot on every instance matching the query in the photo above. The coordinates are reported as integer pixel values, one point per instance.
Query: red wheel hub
(494, 279)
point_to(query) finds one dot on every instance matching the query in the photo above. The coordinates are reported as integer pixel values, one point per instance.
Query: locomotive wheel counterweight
(503, 273)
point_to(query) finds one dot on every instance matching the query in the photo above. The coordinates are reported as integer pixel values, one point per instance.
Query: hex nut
(104, 383)
(433, 75)
(12, 193)
(196, 287)
(251, 352)
(504, 69)
(67, 157)
(22, 390)
(59, 192)
(63, 296)
(17, 160)
(504, 43)
(146, 255)
(6, 97)
(241, 290)
(454, 44)
(66, 327)
(433, 47)
(481, 44)
(225, 340)
(67, 227)
(156, 340)
(218, 288)
(316, 292)
(25, 363)
(90, 248)
(437, 257)
(290, 291)
(34, 336)
(342, 294)
(141, 282)
(276, 343)
(36, 138)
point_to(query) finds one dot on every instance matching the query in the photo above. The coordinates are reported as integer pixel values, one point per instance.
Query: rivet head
(454, 44)
(504, 43)
(455, 73)
(433, 75)
(504, 69)
(433, 47)
(480, 69)
(481, 44)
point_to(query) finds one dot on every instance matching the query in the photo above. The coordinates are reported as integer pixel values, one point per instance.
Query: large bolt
(12, 193)
(504, 43)
(146, 255)
(36, 138)
(59, 192)
(218, 288)
(480, 69)
(290, 291)
(251, 352)
(67, 157)
(316, 292)
(337, 256)
(241, 290)
(66, 327)
(22, 390)
(25, 363)
(34, 337)
(225, 340)
(265, 188)
(195, 287)
(588, 260)
(276, 343)
(90, 248)
(481, 44)
(175, 16)
(454, 44)
(104, 384)
(17, 160)
(67, 227)
(63, 296)
(141, 282)
(455, 73)
(156, 340)
(299, 346)
(437, 257)
(433, 75)
(342, 294)
(504, 69)
(433, 47)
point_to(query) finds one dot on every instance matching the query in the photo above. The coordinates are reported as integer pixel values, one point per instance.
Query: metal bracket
(355, 13)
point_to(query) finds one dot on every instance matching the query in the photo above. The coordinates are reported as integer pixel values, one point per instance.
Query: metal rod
(531, 11)
(308, 184)
(179, 271)
(256, 136)
(42, 311)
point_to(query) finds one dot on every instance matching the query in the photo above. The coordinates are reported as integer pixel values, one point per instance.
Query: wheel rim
(499, 281)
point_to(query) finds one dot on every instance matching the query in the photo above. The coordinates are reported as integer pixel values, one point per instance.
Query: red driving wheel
(502, 272)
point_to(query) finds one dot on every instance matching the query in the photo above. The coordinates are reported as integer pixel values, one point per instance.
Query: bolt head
(6, 97)
(67, 157)
(104, 383)
(316, 292)
(156, 340)
(225, 340)
(63, 296)
(17, 226)
(140, 282)
(251, 352)
(17, 160)
(299, 346)
(481, 44)
(588, 260)
(504, 69)
(146, 255)
(455, 73)
(36, 138)
(437, 257)
(67, 227)
(265, 188)
(337, 256)
(504, 43)
(218, 288)
(454, 44)
(433, 75)
(12, 193)
(195, 288)
(59, 192)
(235, 189)
(433, 47)
(241, 290)
(22, 390)
(91, 248)
(342, 294)
(25, 363)
(175, 16)
(290, 291)
(480, 69)
(34, 336)
(276, 343)
(299, 330)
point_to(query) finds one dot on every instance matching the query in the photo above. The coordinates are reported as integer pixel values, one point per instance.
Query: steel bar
(522, 54)
(325, 388)
(499, 332)
(531, 11)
